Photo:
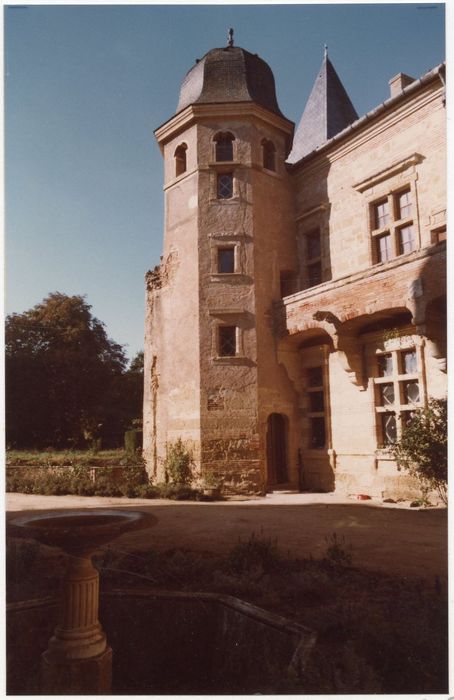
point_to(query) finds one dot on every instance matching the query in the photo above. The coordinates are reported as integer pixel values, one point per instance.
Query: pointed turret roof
(328, 111)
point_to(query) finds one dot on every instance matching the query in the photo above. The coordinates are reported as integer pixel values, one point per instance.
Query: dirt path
(382, 537)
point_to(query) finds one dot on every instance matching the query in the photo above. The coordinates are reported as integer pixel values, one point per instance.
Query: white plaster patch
(193, 202)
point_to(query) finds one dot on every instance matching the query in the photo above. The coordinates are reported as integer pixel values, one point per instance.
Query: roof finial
(230, 36)
(326, 51)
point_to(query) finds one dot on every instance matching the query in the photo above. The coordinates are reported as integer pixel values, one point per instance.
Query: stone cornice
(198, 112)
(393, 169)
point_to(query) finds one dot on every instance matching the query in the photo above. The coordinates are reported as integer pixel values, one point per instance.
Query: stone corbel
(416, 304)
(349, 352)
(436, 353)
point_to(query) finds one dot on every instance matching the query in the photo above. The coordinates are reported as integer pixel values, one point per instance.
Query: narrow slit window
(269, 155)
(180, 160)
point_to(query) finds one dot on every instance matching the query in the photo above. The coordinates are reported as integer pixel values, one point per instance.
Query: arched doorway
(276, 449)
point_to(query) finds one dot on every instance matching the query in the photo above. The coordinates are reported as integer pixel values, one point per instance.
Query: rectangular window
(225, 185)
(315, 376)
(313, 246)
(316, 408)
(406, 240)
(383, 244)
(314, 274)
(403, 202)
(385, 365)
(317, 438)
(227, 341)
(395, 392)
(381, 214)
(408, 361)
(389, 214)
(226, 260)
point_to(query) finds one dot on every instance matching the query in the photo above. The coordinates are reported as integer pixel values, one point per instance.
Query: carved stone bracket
(349, 351)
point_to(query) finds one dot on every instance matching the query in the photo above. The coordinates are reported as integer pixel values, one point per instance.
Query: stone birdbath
(78, 660)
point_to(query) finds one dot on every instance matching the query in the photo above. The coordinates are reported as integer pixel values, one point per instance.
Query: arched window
(224, 146)
(180, 159)
(269, 155)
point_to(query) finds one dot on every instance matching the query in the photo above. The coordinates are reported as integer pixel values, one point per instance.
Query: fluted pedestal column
(78, 660)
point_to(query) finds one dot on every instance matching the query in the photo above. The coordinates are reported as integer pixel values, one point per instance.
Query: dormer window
(180, 159)
(224, 146)
(269, 155)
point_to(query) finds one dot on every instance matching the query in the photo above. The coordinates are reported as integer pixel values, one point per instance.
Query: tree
(60, 367)
(423, 447)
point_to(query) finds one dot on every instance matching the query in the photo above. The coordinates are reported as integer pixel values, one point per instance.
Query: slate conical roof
(229, 74)
(328, 111)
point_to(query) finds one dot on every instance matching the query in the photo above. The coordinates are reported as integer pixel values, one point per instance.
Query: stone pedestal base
(78, 676)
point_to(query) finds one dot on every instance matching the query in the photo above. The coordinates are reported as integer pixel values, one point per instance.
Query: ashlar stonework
(298, 316)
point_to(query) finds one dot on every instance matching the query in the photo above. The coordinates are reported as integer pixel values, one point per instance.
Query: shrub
(178, 463)
(422, 448)
(336, 554)
(255, 554)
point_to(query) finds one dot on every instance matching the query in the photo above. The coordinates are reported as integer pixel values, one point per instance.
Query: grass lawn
(71, 458)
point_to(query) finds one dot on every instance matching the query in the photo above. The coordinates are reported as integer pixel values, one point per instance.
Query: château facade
(298, 316)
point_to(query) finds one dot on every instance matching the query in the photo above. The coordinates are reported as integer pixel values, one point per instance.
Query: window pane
(384, 248)
(389, 430)
(406, 240)
(386, 394)
(313, 247)
(409, 363)
(381, 214)
(316, 402)
(314, 274)
(404, 205)
(411, 392)
(317, 438)
(226, 260)
(315, 376)
(225, 186)
(224, 149)
(385, 365)
(227, 341)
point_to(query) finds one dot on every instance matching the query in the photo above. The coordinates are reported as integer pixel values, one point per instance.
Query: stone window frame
(227, 317)
(225, 245)
(220, 136)
(392, 229)
(318, 357)
(180, 159)
(398, 378)
(315, 218)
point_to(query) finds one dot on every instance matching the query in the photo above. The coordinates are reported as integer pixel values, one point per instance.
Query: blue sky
(85, 86)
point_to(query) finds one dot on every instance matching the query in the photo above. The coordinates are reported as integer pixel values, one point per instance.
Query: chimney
(399, 82)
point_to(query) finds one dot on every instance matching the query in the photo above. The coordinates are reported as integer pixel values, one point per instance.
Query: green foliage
(178, 463)
(66, 380)
(423, 448)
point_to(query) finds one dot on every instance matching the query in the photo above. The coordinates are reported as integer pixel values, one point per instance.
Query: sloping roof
(328, 111)
(229, 74)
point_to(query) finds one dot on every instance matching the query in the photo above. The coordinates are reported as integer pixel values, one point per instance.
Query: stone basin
(78, 660)
(76, 531)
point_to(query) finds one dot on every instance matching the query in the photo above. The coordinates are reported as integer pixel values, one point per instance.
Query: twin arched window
(180, 159)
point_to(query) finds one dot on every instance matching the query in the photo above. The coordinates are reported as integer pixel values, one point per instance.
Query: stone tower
(212, 376)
